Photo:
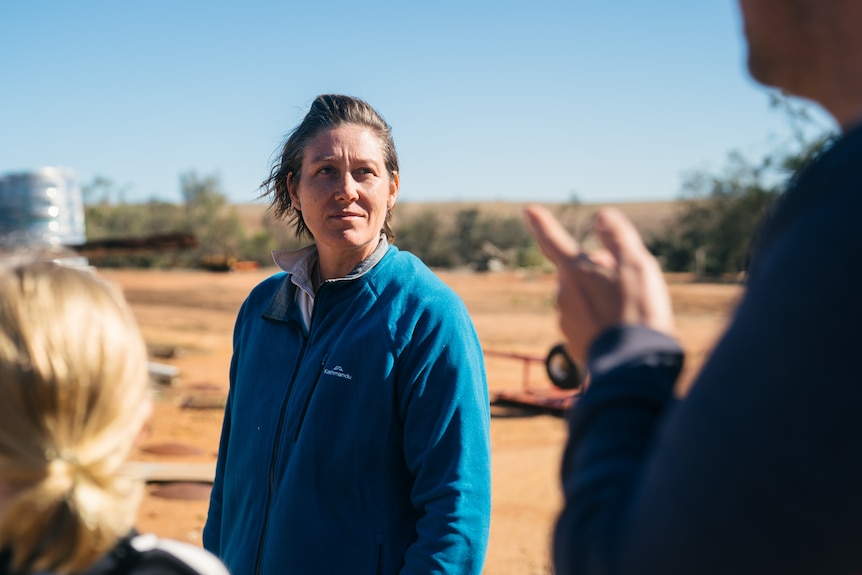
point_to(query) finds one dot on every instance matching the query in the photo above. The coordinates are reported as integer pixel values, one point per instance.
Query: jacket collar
(299, 265)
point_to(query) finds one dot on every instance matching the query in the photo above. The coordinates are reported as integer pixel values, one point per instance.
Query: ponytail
(73, 396)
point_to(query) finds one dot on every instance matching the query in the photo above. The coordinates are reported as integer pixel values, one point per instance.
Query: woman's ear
(291, 191)
(394, 184)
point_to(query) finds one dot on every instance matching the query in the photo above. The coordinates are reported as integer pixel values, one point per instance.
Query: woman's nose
(348, 188)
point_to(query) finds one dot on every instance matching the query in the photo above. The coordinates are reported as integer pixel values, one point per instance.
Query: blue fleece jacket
(362, 444)
(757, 470)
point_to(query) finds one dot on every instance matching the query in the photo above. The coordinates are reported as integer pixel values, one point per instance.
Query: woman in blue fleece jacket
(356, 433)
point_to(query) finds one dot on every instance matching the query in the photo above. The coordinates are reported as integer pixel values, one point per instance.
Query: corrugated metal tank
(42, 206)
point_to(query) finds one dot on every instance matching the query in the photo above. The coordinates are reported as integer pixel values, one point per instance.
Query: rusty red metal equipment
(544, 399)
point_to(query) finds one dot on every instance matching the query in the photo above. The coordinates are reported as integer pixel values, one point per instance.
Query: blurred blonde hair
(74, 394)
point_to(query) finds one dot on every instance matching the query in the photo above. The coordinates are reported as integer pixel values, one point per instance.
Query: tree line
(717, 216)
(470, 239)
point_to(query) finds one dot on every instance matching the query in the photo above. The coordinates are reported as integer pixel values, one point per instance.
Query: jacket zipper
(319, 372)
(276, 445)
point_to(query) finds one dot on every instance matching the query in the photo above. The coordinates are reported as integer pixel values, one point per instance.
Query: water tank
(43, 206)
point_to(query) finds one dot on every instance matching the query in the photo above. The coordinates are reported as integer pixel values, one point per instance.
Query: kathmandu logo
(338, 371)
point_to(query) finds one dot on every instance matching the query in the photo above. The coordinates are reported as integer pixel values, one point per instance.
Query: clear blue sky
(503, 100)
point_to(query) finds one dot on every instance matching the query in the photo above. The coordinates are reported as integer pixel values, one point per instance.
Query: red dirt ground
(192, 313)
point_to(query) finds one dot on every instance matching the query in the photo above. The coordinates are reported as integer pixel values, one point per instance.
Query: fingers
(647, 299)
(617, 233)
(554, 241)
(621, 284)
(586, 299)
(613, 229)
(604, 258)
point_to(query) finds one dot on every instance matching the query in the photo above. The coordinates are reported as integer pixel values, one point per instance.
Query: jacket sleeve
(756, 470)
(212, 527)
(445, 414)
(632, 375)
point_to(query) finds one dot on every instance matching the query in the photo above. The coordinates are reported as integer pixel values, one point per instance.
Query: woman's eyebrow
(334, 157)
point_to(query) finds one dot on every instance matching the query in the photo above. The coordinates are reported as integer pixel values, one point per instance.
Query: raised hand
(621, 284)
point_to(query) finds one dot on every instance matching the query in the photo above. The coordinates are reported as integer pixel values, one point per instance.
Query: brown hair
(327, 111)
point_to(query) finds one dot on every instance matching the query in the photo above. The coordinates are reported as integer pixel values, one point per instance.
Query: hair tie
(65, 456)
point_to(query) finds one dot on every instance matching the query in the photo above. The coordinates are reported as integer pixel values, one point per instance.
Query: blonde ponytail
(73, 396)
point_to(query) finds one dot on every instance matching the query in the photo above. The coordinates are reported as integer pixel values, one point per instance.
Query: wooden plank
(153, 472)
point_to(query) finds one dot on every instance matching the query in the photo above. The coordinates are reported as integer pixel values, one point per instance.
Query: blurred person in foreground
(356, 433)
(74, 396)
(757, 469)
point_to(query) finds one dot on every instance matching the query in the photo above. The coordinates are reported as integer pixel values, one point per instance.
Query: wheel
(564, 373)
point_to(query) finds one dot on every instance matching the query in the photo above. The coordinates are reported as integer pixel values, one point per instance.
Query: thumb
(617, 234)
(554, 241)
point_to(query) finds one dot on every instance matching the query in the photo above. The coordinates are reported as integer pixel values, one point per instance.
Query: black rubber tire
(562, 370)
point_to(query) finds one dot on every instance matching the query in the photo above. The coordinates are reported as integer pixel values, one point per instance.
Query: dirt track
(193, 312)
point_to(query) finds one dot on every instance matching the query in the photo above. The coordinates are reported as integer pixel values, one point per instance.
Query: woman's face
(344, 192)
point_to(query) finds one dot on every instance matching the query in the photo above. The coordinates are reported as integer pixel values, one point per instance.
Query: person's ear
(291, 191)
(394, 184)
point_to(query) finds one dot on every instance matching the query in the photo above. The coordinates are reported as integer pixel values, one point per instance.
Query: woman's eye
(326, 170)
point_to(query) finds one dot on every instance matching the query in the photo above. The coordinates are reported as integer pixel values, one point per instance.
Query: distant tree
(473, 237)
(468, 239)
(506, 233)
(715, 223)
(720, 214)
(573, 217)
(108, 215)
(205, 213)
(277, 235)
(427, 238)
(102, 190)
(210, 217)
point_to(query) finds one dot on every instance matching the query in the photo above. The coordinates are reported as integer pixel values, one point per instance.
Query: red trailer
(567, 377)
